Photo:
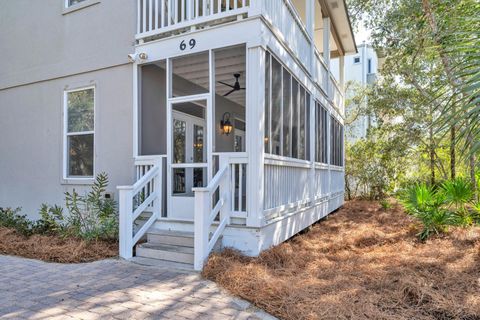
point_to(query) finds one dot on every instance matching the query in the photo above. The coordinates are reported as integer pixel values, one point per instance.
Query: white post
(341, 71)
(310, 9)
(255, 116)
(202, 213)
(125, 222)
(326, 42)
(157, 188)
(226, 188)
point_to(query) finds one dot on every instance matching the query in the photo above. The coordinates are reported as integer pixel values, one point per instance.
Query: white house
(219, 120)
(362, 71)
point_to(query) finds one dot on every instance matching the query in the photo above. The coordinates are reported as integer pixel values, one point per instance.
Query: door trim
(209, 139)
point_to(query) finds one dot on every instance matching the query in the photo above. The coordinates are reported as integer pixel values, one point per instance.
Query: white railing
(337, 180)
(321, 71)
(283, 15)
(286, 184)
(144, 196)
(322, 187)
(336, 94)
(155, 17)
(215, 204)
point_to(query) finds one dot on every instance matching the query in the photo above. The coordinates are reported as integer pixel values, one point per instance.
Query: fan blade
(229, 93)
(226, 84)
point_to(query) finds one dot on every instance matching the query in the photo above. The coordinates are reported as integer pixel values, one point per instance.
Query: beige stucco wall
(39, 42)
(31, 137)
(44, 51)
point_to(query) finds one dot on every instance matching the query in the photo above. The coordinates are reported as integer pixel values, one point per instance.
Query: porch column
(341, 71)
(310, 10)
(255, 134)
(326, 41)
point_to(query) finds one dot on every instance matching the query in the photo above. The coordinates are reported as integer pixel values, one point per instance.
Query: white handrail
(232, 166)
(148, 186)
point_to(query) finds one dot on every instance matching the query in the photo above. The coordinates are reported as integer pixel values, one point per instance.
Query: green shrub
(426, 204)
(10, 218)
(52, 220)
(92, 216)
(385, 204)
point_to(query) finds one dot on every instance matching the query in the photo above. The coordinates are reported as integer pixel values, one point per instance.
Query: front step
(170, 249)
(165, 252)
(163, 264)
(174, 238)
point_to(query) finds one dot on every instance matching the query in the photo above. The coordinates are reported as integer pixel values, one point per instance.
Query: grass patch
(363, 262)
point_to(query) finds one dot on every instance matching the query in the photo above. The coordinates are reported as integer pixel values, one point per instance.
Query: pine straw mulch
(55, 249)
(360, 263)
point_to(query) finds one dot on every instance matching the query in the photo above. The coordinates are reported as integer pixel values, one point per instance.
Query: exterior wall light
(225, 124)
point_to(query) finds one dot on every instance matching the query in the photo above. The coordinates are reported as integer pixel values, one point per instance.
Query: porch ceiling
(227, 62)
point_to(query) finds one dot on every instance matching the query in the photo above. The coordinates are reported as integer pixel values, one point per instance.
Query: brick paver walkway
(111, 289)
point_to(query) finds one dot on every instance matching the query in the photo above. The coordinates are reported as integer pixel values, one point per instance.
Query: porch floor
(111, 289)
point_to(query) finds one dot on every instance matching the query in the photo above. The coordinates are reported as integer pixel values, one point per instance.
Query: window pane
(72, 2)
(301, 142)
(276, 106)
(80, 110)
(307, 128)
(179, 134)
(198, 145)
(179, 181)
(80, 155)
(295, 106)
(287, 112)
(267, 102)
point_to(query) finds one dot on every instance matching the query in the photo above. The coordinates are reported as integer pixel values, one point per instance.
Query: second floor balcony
(312, 30)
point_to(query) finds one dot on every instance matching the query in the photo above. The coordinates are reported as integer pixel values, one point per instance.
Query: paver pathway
(111, 289)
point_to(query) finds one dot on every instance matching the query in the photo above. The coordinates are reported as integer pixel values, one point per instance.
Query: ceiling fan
(235, 87)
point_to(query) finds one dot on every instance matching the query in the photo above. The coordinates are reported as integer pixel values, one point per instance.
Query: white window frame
(359, 60)
(66, 134)
(67, 7)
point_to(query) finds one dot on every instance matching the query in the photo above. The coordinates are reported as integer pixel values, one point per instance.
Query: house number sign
(191, 43)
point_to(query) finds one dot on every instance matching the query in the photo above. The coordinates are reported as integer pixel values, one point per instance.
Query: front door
(189, 166)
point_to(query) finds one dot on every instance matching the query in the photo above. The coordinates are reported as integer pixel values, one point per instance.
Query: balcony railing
(157, 17)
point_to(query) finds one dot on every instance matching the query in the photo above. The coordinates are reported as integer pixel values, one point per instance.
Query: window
(369, 66)
(336, 140)
(73, 2)
(356, 60)
(321, 134)
(286, 112)
(79, 133)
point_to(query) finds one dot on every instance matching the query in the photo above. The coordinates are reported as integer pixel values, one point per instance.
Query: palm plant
(459, 194)
(426, 204)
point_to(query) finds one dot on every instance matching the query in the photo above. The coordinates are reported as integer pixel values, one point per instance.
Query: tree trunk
(432, 157)
(453, 172)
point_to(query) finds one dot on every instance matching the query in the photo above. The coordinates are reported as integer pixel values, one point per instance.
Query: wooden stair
(169, 249)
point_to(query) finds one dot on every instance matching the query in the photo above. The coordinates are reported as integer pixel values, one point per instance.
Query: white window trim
(359, 60)
(66, 178)
(84, 4)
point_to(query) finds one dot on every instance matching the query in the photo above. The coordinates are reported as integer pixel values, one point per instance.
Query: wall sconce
(225, 124)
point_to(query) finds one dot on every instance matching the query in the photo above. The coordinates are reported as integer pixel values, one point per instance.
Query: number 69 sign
(191, 43)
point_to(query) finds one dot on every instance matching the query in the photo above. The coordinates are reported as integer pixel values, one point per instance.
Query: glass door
(188, 168)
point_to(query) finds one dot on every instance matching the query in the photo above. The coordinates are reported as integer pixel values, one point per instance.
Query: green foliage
(458, 193)
(92, 216)
(51, 221)
(10, 218)
(425, 203)
(437, 208)
(385, 204)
